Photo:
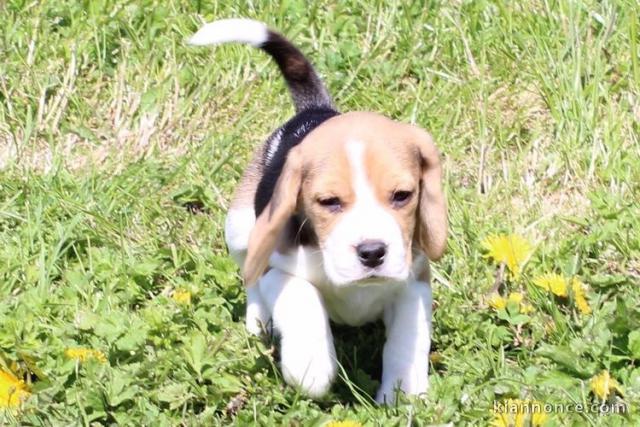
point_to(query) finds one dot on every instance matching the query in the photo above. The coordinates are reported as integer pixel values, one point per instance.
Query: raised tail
(307, 90)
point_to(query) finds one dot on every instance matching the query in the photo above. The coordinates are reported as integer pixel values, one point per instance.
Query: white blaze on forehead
(361, 186)
(365, 219)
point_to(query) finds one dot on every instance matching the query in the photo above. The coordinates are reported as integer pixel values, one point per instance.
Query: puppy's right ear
(269, 225)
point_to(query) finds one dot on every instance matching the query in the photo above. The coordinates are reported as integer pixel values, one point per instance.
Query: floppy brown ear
(431, 227)
(269, 225)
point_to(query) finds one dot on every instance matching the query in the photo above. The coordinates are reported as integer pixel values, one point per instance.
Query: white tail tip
(231, 30)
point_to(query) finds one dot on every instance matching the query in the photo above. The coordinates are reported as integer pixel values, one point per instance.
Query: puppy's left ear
(269, 225)
(431, 226)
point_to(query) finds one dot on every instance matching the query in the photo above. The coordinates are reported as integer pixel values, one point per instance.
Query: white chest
(358, 304)
(351, 305)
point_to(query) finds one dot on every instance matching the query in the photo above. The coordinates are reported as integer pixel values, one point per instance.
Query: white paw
(255, 326)
(309, 365)
(413, 382)
(386, 395)
(257, 318)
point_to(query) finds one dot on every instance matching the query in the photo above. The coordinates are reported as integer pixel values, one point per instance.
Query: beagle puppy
(335, 219)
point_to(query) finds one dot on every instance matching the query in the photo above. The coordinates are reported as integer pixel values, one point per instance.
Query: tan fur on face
(327, 174)
(396, 157)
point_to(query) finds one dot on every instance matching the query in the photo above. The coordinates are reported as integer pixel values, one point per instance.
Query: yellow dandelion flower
(84, 354)
(603, 384)
(526, 308)
(510, 414)
(345, 423)
(519, 413)
(510, 249)
(497, 301)
(518, 299)
(13, 391)
(538, 418)
(501, 420)
(515, 297)
(552, 282)
(181, 296)
(580, 296)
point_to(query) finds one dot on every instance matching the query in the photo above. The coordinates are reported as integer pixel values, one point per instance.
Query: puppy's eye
(400, 198)
(333, 204)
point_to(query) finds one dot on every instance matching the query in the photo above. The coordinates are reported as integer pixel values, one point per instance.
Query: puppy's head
(370, 188)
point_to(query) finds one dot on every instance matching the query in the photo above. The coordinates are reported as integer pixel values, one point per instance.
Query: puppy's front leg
(257, 317)
(307, 353)
(405, 363)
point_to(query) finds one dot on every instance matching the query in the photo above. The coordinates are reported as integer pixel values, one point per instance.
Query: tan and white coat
(357, 177)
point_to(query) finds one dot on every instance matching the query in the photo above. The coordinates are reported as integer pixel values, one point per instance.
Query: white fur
(352, 305)
(405, 359)
(307, 355)
(365, 220)
(274, 144)
(305, 287)
(303, 261)
(300, 311)
(231, 30)
(257, 318)
(358, 304)
(237, 229)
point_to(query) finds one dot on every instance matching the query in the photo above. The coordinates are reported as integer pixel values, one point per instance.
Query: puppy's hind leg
(237, 228)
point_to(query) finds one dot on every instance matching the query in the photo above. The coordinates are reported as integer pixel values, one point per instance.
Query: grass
(120, 147)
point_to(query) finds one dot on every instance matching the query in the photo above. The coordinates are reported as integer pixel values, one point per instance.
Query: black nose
(371, 252)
